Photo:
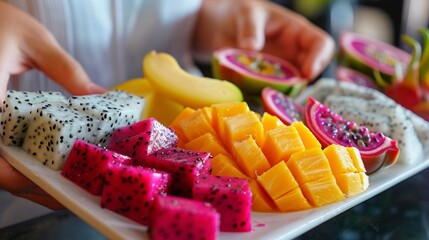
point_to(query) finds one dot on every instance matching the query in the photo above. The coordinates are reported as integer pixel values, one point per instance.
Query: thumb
(251, 28)
(63, 69)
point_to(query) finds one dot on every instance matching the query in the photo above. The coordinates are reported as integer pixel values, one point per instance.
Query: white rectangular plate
(266, 225)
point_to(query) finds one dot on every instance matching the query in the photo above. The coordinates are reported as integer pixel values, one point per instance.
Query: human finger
(251, 27)
(44, 200)
(317, 57)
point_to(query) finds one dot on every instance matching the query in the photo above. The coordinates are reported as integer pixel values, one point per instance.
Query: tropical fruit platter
(254, 151)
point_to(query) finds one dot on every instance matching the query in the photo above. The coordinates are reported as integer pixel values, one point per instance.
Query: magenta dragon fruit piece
(231, 197)
(52, 131)
(184, 165)
(112, 113)
(87, 164)
(130, 191)
(282, 106)
(142, 138)
(16, 110)
(376, 149)
(181, 218)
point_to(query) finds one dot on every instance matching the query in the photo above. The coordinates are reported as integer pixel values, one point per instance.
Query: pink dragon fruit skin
(141, 139)
(231, 197)
(181, 218)
(184, 165)
(130, 191)
(87, 164)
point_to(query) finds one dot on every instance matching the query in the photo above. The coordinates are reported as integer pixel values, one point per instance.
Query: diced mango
(208, 113)
(270, 122)
(196, 125)
(228, 109)
(175, 125)
(292, 201)
(261, 202)
(309, 165)
(307, 137)
(224, 166)
(250, 158)
(322, 191)
(339, 159)
(356, 158)
(207, 143)
(281, 143)
(351, 183)
(278, 180)
(242, 126)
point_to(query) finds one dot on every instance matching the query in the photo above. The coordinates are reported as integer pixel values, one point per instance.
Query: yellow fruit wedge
(270, 122)
(309, 165)
(277, 181)
(307, 137)
(175, 125)
(280, 143)
(196, 125)
(352, 183)
(222, 110)
(242, 126)
(139, 86)
(261, 202)
(166, 76)
(339, 159)
(224, 166)
(161, 108)
(292, 201)
(250, 158)
(207, 143)
(322, 191)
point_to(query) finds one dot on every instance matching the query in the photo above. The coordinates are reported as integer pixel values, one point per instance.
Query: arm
(263, 26)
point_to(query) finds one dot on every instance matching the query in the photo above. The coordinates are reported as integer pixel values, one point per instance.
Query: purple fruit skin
(231, 197)
(87, 163)
(181, 218)
(184, 165)
(141, 139)
(130, 191)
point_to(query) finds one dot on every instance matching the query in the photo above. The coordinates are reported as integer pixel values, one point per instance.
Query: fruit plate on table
(265, 225)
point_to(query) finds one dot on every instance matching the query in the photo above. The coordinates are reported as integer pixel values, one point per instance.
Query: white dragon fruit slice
(112, 113)
(125, 98)
(15, 111)
(53, 129)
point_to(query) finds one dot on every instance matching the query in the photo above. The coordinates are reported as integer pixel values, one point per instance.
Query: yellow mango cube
(322, 191)
(307, 137)
(277, 181)
(242, 126)
(196, 125)
(250, 158)
(292, 201)
(281, 143)
(261, 202)
(228, 109)
(207, 143)
(224, 166)
(351, 183)
(309, 165)
(339, 159)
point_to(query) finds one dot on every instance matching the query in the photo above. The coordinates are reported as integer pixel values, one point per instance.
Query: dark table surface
(401, 212)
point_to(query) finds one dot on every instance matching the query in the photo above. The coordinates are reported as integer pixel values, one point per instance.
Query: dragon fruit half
(54, 128)
(15, 113)
(231, 197)
(87, 164)
(130, 191)
(180, 218)
(184, 165)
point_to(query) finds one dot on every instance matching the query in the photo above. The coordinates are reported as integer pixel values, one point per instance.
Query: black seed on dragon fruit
(231, 197)
(15, 113)
(141, 139)
(184, 165)
(181, 218)
(376, 149)
(87, 164)
(112, 113)
(53, 130)
(130, 191)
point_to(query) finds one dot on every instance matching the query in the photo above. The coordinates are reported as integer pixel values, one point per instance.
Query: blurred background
(385, 20)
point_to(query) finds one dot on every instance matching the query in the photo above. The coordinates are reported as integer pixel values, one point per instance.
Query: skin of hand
(263, 26)
(25, 44)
